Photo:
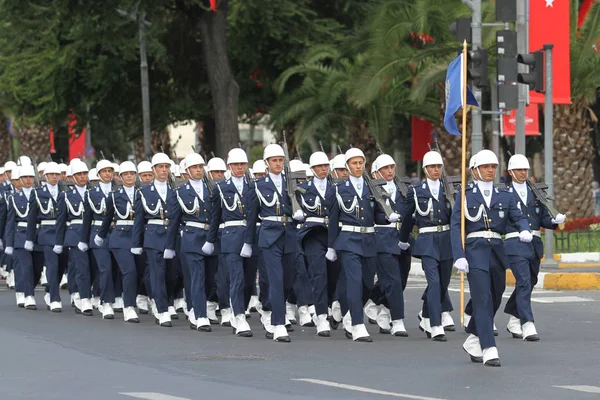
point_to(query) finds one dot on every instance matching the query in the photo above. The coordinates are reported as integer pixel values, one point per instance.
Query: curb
(562, 281)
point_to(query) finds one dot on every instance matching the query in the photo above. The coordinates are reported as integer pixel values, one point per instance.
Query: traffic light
(506, 10)
(461, 28)
(535, 77)
(478, 67)
(506, 43)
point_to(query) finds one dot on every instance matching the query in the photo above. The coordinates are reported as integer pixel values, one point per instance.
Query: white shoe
(347, 322)
(180, 305)
(63, 282)
(290, 312)
(384, 320)
(56, 306)
(3, 273)
(265, 319)
(95, 303)
(323, 327)
(336, 311)
(398, 328)
(425, 326)
(211, 312)
(47, 300)
(360, 334)
(312, 310)
(118, 305)
(226, 317)
(473, 348)
(164, 319)
(154, 310)
(10, 280)
(43, 279)
(259, 307)
(107, 311)
(75, 298)
(280, 334)
(252, 304)
(20, 296)
(466, 319)
(172, 312)
(241, 325)
(142, 304)
(129, 315)
(203, 324)
(191, 315)
(437, 333)
(371, 311)
(490, 357)
(86, 307)
(447, 321)
(514, 327)
(529, 332)
(304, 317)
(30, 303)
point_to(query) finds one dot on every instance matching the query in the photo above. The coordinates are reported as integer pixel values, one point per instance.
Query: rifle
(539, 191)
(298, 154)
(329, 176)
(291, 178)
(36, 174)
(448, 181)
(401, 183)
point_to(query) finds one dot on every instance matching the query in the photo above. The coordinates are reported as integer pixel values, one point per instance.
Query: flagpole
(463, 180)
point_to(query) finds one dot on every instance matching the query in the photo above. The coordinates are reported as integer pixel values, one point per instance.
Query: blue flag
(454, 94)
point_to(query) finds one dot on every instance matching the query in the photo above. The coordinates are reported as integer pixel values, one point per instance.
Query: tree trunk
(359, 136)
(5, 141)
(573, 160)
(158, 139)
(34, 141)
(224, 89)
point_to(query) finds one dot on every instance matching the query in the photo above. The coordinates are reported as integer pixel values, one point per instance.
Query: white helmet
(182, 166)
(309, 171)
(472, 161)
(338, 162)
(9, 166)
(193, 159)
(103, 164)
(116, 168)
(518, 161)
(74, 160)
(24, 160)
(2, 171)
(63, 167)
(259, 167)
(144, 166)
(126, 166)
(432, 158)
(485, 157)
(176, 171)
(354, 152)
(374, 167)
(52, 168)
(236, 156)
(93, 176)
(68, 171)
(80, 166)
(273, 150)
(16, 172)
(26, 170)
(384, 160)
(42, 166)
(296, 166)
(216, 164)
(160, 158)
(318, 158)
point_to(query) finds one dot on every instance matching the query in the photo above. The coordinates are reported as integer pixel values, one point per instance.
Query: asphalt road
(67, 356)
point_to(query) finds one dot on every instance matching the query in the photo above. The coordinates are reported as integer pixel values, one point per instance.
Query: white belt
(234, 223)
(283, 219)
(221, 226)
(394, 225)
(485, 235)
(123, 222)
(48, 222)
(317, 220)
(97, 223)
(358, 229)
(158, 222)
(439, 228)
(516, 234)
(199, 225)
(75, 222)
(22, 224)
(258, 224)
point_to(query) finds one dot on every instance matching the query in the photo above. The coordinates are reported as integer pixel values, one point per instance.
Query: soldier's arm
(2, 216)
(408, 209)
(215, 215)
(108, 217)
(333, 230)
(61, 219)
(174, 220)
(455, 234)
(252, 215)
(87, 218)
(32, 218)
(546, 218)
(10, 224)
(516, 216)
(138, 221)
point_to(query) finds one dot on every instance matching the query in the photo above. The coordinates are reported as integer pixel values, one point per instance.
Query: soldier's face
(106, 174)
(341, 173)
(487, 172)
(27, 181)
(8, 175)
(17, 184)
(162, 172)
(185, 176)
(388, 172)
(238, 169)
(128, 178)
(259, 175)
(52, 178)
(146, 177)
(321, 171)
(519, 175)
(63, 176)
(356, 165)
(475, 174)
(275, 165)
(196, 171)
(116, 176)
(216, 174)
(434, 171)
(81, 178)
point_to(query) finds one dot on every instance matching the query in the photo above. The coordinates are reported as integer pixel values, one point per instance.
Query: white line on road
(152, 396)
(561, 299)
(581, 388)
(364, 389)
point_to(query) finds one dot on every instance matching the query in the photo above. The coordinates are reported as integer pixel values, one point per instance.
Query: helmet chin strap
(515, 178)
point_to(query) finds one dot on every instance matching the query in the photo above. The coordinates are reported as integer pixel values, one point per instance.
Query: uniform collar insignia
(309, 183)
(423, 186)
(474, 189)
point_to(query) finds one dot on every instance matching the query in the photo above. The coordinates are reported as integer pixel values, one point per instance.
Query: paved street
(72, 357)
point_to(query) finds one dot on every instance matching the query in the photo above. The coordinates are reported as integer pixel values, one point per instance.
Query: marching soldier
(145, 172)
(487, 212)
(524, 258)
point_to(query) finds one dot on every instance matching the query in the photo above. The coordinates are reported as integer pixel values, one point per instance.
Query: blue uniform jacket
(149, 205)
(95, 203)
(537, 217)
(265, 201)
(186, 206)
(3, 216)
(69, 218)
(388, 238)
(18, 214)
(314, 206)
(42, 208)
(118, 208)
(495, 218)
(430, 212)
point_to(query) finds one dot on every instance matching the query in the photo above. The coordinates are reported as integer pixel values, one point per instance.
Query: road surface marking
(364, 389)
(581, 388)
(152, 396)
(561, 299)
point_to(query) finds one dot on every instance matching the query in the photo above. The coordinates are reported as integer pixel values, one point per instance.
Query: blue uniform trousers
(143, 282)
(486, 289)
(280, 273)
(526, 276)
(54, 272)
(358, 272)
(106, 284)
(263, 283)
(117, 277)
(66, 259)
(301, 290)
(315, 247)
(438, 274)
(250, 268)
(27, 267)
(197, 266)
(129, 272)
(187, 281)
(241, 272)
(162, 274)
(223, 282)
(334, 273)
(390, 280)
(211, 266)
(82, 266)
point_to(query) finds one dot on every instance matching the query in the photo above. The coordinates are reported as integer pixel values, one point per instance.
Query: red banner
(421, 137)
(584, 9)
(52, 146)
(549, 23)
(532, 122)
(76, 143)
(213, 5)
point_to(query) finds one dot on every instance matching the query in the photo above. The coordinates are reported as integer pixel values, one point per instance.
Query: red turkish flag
(76, 143)
(549, 23)
(532, 122)
(421, 137)
(213, 5)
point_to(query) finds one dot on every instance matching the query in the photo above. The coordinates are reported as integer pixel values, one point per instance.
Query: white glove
(82, 246)
(331, 255)
(28, 245)
(246, 250)
(298, 215)
(208, 248)
(525, 236)
(136, 251)
(57, 249)
(8, 251)
(98, 240)
(560, 219)
(403, 245)
(169, 254)
(394, 217)
(462, 265)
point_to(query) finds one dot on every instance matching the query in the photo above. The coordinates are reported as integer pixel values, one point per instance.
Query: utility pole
(476, 116)
(522, 48)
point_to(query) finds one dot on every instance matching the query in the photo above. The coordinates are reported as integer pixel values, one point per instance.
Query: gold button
(489, 240)
(529, 224)
(166, 211)
(361, 209)
(362, 217)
